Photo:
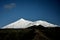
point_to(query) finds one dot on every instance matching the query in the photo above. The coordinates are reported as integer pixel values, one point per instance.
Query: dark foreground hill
(31, 33)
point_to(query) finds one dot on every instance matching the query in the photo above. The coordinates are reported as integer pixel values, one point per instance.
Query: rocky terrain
(30, 33)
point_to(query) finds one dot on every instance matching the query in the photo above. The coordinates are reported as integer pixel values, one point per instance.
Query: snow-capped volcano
(22, 23)
(18, 24)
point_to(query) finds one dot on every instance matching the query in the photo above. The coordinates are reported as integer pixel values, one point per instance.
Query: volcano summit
(22, 23)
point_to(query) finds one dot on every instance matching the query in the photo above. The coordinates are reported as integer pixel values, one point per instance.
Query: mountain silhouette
(31, 33)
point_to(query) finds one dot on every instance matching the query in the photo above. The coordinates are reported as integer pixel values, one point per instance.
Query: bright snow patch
(22, 23)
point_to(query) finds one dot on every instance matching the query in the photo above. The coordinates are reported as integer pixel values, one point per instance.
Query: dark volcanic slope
(31, 33)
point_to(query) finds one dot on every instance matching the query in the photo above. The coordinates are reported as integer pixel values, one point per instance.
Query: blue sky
(12, 10)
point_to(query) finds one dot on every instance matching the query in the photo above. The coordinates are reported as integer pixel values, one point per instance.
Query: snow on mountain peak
(22, 23)
(22, 19)
(44, 23)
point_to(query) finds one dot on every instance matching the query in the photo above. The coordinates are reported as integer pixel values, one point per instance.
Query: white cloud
(10, 6)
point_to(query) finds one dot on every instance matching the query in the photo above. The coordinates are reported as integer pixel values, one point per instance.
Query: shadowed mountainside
(31, 33)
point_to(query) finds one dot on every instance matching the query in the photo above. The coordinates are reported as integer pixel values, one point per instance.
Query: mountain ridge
(22, 23)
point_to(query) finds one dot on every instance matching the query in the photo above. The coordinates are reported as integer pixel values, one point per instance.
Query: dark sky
(12, 10)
